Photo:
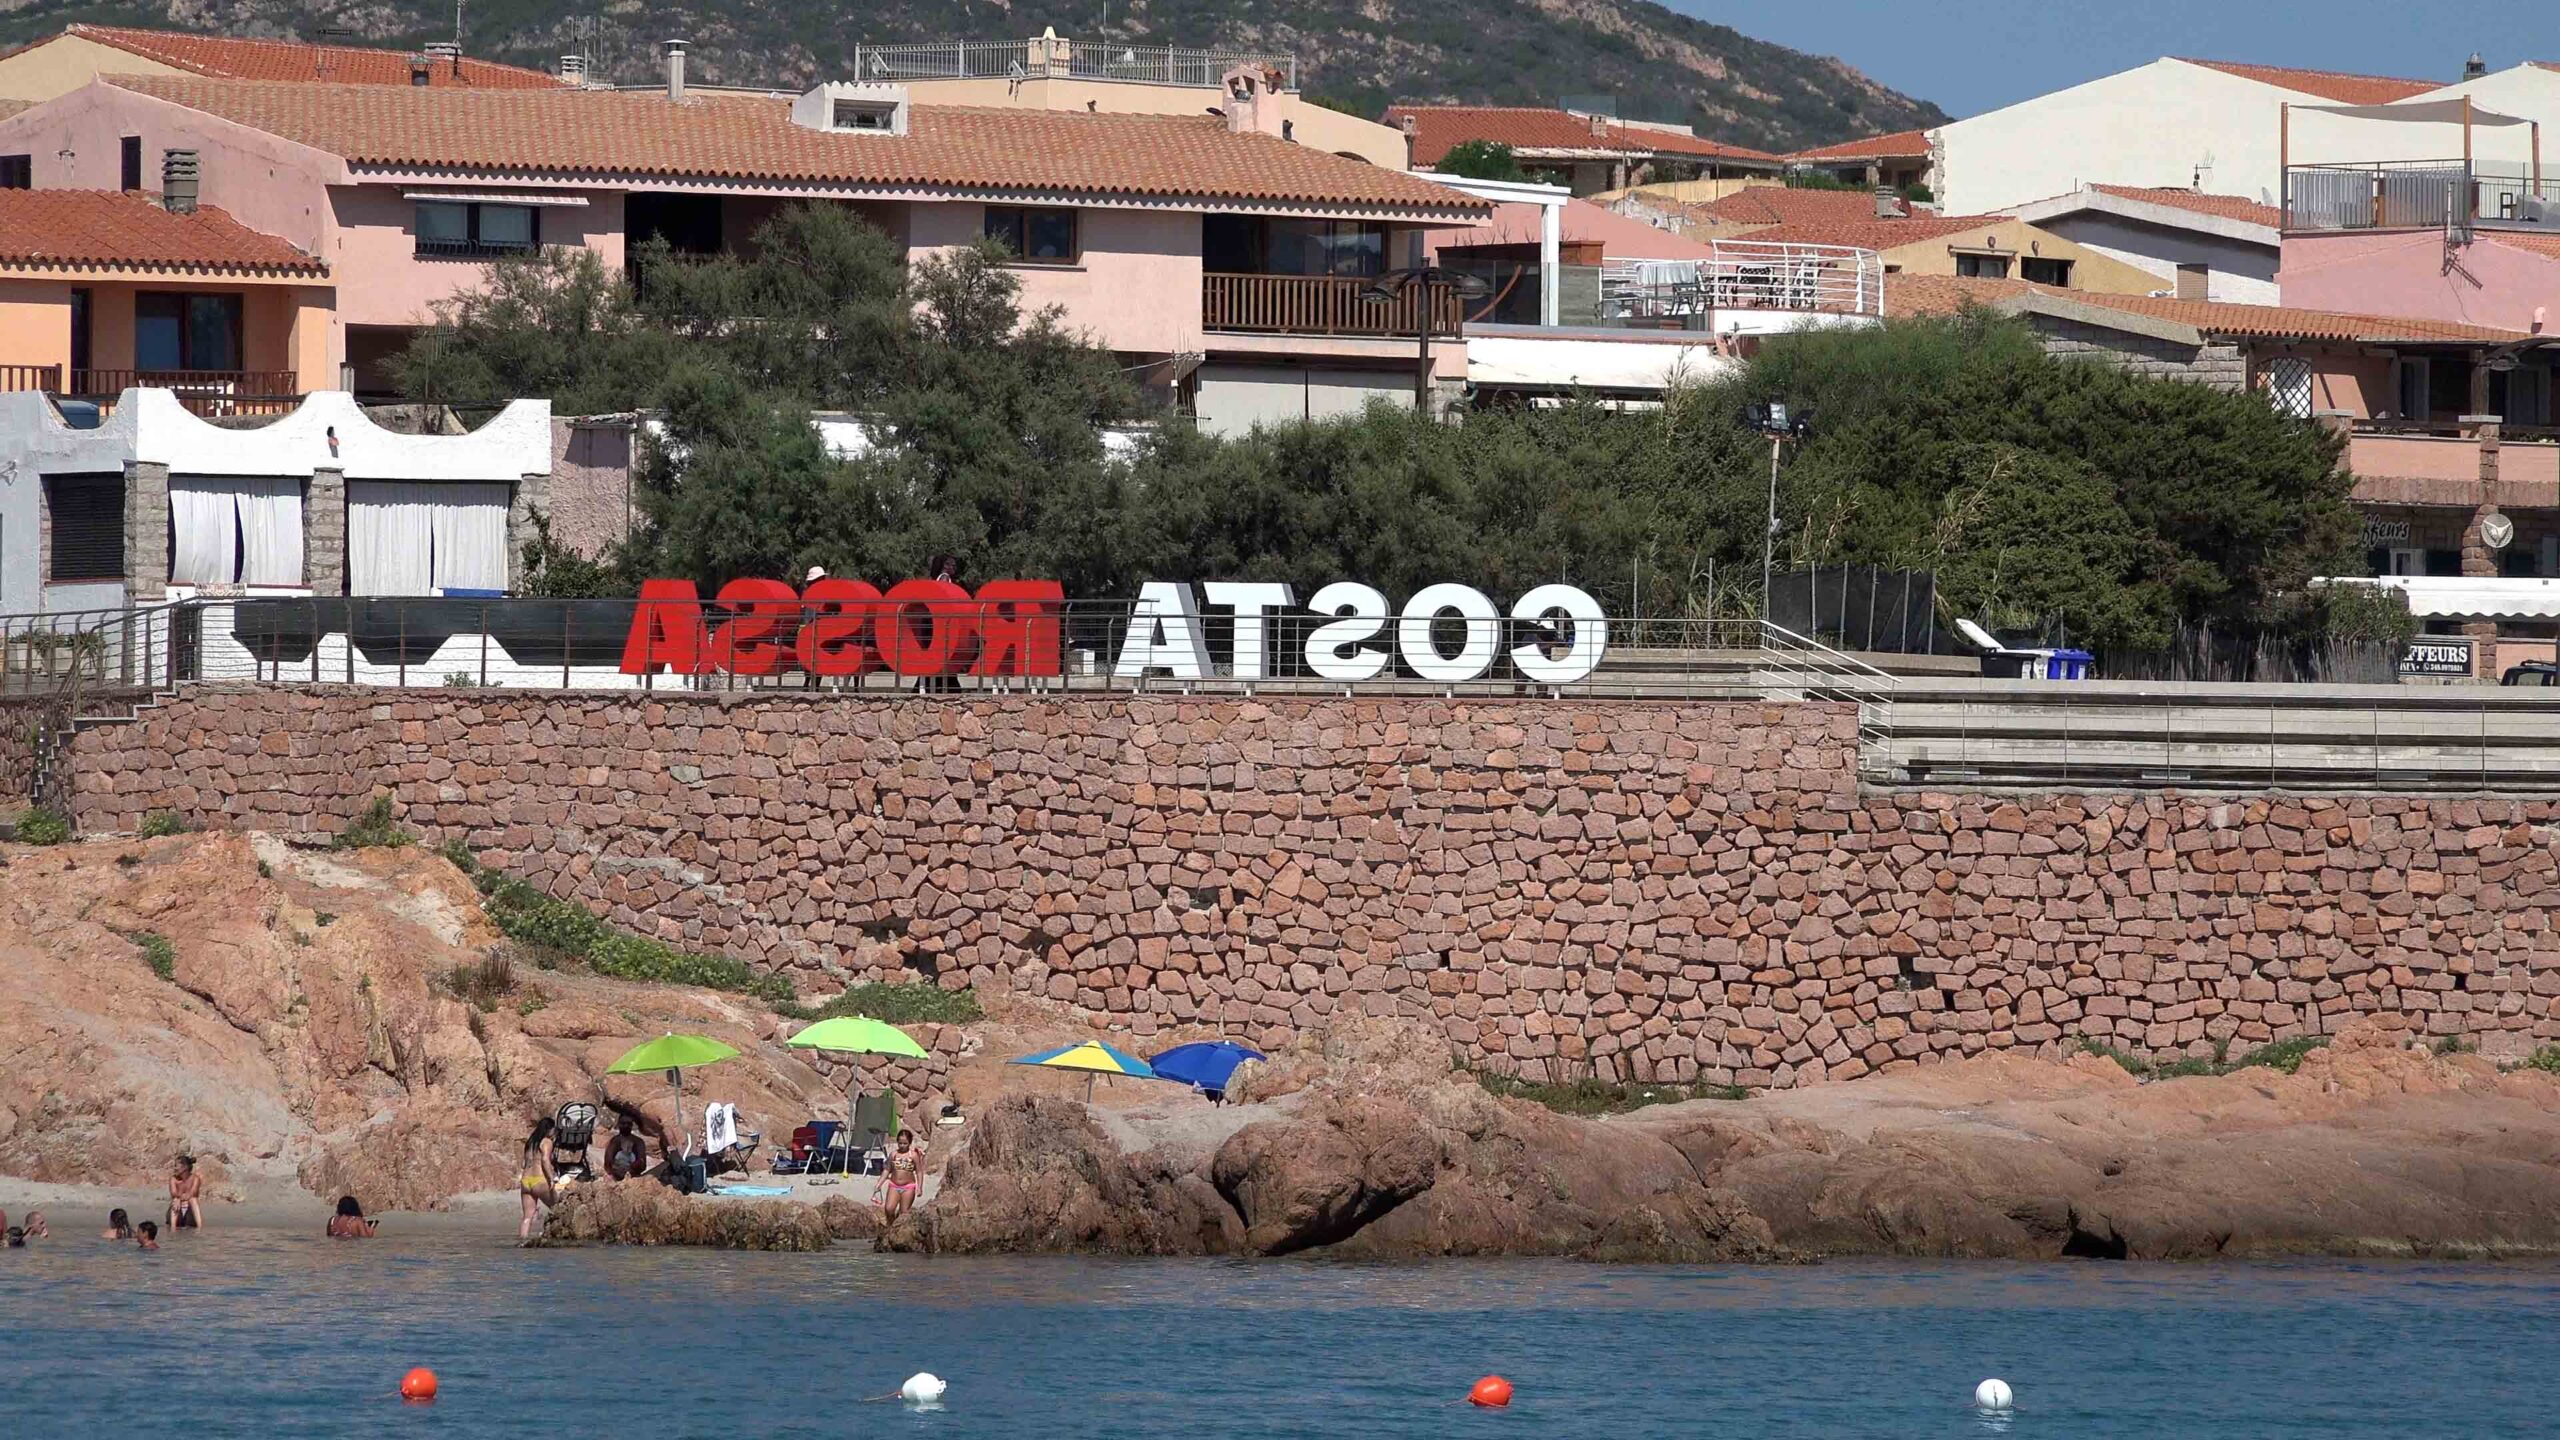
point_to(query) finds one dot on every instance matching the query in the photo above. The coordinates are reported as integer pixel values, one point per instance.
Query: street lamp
(1781, 423)
(1422, 278)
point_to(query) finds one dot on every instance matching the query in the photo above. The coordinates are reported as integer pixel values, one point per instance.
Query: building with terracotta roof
(1585, 153)
(1907, 240)
(1225, 257)
(59, 64)
(2197, 246)
(1899, 161)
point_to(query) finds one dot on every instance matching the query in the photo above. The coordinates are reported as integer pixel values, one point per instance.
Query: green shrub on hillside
(911, 1003)
(163, 822)
(560, 932)
(375, 829)
(40, 826)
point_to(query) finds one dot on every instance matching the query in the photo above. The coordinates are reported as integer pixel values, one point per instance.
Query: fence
(2410, 194)
(887, 648)
(1745, 275)
(1862, 607)
(1056, 59)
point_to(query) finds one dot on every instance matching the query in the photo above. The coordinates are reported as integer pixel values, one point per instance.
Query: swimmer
(905, 1179)
(119, 1226)
(148, 1237)
(349, 1223)
(35, 1227)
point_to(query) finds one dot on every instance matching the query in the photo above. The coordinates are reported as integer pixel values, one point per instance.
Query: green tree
(1481, 160)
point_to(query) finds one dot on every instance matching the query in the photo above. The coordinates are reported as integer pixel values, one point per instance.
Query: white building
(2203, 247)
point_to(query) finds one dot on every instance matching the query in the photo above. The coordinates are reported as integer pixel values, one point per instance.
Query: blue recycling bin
(2068, 664)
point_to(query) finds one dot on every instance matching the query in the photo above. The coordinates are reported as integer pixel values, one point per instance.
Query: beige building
(60, 64)
(1909, 241)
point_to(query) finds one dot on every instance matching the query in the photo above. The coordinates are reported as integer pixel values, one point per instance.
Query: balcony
(2416, 195)
(1319, 305)
(1742, 278)
(208, 393)
(1049, 57)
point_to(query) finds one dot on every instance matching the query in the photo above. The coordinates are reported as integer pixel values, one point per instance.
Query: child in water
(148, 1237)
(119, 1226)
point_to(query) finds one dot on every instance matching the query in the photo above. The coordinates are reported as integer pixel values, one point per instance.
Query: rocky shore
(301, 1019)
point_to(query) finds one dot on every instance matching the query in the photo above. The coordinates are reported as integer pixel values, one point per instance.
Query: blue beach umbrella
(1093, 1058)
(1205, 1064)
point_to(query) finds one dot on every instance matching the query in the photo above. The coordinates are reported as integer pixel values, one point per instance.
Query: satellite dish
(2496, 530)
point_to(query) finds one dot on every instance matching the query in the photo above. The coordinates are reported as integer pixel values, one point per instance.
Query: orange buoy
(420, 1384)
(1493, 1392)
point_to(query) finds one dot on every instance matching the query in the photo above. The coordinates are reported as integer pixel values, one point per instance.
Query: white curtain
(390, 538)
(271, 530)
(204, 529)
(419, 538)
(471, 537)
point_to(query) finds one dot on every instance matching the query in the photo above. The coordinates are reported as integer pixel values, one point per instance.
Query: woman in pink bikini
(906, 1166)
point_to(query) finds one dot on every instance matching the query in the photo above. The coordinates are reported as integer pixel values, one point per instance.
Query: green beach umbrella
(673, 1054)
(855, 1035)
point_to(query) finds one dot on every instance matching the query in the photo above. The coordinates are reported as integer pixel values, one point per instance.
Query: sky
(1975, 57)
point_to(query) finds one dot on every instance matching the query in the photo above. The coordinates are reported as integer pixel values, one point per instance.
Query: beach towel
(751, 1190)
(719, 1127)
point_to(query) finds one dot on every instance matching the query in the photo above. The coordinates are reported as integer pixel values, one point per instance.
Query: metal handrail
(1747, 275)
(1051, 57)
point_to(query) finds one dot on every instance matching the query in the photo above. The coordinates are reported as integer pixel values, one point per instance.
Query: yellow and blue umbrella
(1095, 1059)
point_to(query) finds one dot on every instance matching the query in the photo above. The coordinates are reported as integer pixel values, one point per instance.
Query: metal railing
(1745, 275)
(1049, 58)
(880, 651)
(2414, 194)
(1320, 305)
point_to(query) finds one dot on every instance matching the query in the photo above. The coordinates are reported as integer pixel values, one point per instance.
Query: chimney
(450, 52)
(178, 181)
(675, 72)
(573, 69)
(420, 69)
(1252, 104)
(2475, 67)
(1600, 126)
(1888, 204)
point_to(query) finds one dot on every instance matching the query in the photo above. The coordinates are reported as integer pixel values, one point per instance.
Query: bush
(164, 822)
(483, 985)
(2546, 1059)
(913, 1003)
(41, 826)
(157, 952)
(1599, 1097)
(559, 931)
(374, 829)
(459, 856)
(2284, 1056)
(1481, 160)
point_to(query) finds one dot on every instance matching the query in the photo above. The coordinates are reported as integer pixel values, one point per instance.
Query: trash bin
(2004, 666)
(2068, 664)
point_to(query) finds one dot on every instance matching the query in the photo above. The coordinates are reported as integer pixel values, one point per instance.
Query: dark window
(2444, 562)
(173, 331)
(133, 162)
(1983, 267)
(475, 231)
(17, 172)
(2045, 272)
(1038, 236)
(1255, 245)
(865, 115)
(80, 305)
(87, 514)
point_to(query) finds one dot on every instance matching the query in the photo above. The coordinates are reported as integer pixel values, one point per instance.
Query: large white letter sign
(1251, 600)
(1590, 635)
(1164, 634)
(1336, 650)
(1475, 655)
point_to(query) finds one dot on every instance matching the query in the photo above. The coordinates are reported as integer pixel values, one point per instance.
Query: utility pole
(1769, 533)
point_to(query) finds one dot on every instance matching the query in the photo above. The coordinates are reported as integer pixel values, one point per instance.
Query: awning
(493, 197)
(2470, 597)
(2445, 112)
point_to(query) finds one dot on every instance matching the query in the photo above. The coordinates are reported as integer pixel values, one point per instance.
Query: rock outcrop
(1360, 1150)
(643, 1212)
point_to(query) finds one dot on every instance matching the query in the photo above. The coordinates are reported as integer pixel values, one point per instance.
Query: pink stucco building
(1229, 260)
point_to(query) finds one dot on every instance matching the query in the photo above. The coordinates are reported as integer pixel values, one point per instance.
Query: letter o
(1590, 635)
(1484, 633)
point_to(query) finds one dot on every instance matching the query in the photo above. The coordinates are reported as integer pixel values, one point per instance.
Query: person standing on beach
(905, 1179)
(186, 1196)
(534, 1177)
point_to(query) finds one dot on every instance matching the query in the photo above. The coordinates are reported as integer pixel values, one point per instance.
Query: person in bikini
(186, 1196)
(905, 1179)
(535, 1177)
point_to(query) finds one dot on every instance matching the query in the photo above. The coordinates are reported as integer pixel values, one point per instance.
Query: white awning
(2469, 597)
(1581, 363)
(2447, 112)
(494, 197)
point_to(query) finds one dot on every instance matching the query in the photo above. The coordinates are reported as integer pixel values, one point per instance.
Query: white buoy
(925, 1388)
(1989, 1395)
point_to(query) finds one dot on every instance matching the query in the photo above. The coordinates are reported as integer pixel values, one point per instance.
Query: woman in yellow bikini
(535, 1181)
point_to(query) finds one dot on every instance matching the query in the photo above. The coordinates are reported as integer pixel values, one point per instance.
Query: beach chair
(725, 1146)
(798, 1152)
(573, 1129)
(875, 1119)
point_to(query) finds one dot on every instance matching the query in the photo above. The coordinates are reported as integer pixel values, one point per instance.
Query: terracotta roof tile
(751, 137)
(2226, 207)
(2540, 243)
(1871, 233)
(49, 229)
(1785, 205)
(1900, 145)
(2330, 85)
(1946, 294)
(1438, 128)
(231, 57)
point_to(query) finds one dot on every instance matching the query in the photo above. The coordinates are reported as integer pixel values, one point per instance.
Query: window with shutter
(86, 513)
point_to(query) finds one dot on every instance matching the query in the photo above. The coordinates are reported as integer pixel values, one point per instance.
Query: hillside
(1359, 53)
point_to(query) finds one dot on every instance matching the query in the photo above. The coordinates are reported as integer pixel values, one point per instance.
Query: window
(133, 162)
(235, 530)
(2195, 282)
(186, 331)
(87, 516)
(866, 115)
(1983, 267)
(2411, 386)
(1251, 245)
(1037, 236)
(475, 231)
(80, 306)
(2037, 271)
(17, 172)
(2521, 396)
(425, 538)
(2289, 386)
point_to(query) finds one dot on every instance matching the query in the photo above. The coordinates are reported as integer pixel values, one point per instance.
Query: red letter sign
(1020, 627)
(666, 629)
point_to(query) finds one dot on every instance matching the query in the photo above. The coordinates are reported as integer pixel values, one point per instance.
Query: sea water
(261, 1333)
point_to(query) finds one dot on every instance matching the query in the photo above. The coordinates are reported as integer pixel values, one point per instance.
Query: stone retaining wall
(1667, 891)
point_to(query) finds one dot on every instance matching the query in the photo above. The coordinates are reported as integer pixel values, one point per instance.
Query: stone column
(324, 532)
(533, 492)
(2479, 561)
(146, 531)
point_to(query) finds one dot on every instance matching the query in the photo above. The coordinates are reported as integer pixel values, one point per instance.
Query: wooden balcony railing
(205, 392)
(47, 378)
(1319, 305)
